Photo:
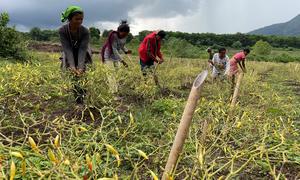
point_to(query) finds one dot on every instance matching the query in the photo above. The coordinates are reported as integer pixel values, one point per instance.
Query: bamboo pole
(155, 76)
(184, 125)
(236, 89)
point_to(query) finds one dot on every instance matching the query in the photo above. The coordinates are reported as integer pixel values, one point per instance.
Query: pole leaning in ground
(237, 89)
(155, 76)
(184, 125)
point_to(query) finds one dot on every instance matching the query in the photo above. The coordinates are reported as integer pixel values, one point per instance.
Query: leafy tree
(4, 19)
(35, 33)
(129, 38)
(106, 33)
(95, 33)
(237, 45)
(182, 48)
(143, 34)
(12, 44)
(262, 48)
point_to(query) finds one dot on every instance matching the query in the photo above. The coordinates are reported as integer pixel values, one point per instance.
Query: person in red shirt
(149, 50)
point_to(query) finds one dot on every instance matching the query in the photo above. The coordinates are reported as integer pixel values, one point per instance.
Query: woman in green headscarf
(75, 40)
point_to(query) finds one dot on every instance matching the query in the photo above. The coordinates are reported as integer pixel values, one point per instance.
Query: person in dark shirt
(75, 40)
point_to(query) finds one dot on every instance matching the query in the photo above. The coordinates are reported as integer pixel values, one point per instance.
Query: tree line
(237, 40)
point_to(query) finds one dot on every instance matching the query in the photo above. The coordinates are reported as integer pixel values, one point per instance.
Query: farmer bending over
(149, 50)
(111, 52)
(75, 44)
(237, 59)
(219, 62)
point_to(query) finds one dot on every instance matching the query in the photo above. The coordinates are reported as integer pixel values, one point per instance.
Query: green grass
(259, 139)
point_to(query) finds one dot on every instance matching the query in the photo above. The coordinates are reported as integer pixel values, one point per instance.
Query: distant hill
(290, 28)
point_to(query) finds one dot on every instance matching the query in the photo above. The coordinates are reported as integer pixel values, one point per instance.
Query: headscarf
(71, 9)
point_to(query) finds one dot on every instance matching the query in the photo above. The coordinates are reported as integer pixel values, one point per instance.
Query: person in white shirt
(220, 62)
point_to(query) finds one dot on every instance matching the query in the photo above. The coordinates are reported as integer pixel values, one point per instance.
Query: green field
(259, 139)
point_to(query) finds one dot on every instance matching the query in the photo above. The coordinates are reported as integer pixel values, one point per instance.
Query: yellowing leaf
(153, 175)
(67, 162)
(238, 124)
(131, 118)
(143, 154)
(111, 149)
(52, 156)
(17, 154)
(33, 145)
(56, 141)
(83, 129)
(92, 115)
(118, 160)
(23, 167)
(89, 162)
(120, 119)
(12, 170)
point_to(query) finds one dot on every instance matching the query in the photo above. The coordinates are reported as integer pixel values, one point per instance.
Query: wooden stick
(155, 76)
(236, 90)
(184, 125)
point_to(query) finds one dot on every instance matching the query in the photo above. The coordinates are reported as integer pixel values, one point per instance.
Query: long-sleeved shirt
(150, 48)
(76, 51)
(117, 46)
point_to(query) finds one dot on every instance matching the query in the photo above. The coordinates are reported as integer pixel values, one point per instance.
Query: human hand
(160, 61)
(124, 63)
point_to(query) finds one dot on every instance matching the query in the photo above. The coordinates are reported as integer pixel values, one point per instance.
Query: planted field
(43, 134)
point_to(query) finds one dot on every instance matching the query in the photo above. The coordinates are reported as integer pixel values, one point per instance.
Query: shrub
(216, 46)
(182, 48)
(262, 48)
(237, 45)
(285, 58)
(43, 35)
(12, 44)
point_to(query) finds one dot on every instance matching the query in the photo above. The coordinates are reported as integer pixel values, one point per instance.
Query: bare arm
(242, 66)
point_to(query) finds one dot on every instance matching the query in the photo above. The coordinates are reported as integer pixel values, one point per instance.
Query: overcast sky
(217, 16)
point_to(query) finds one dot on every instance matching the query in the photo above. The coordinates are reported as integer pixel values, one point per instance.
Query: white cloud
(218, 16)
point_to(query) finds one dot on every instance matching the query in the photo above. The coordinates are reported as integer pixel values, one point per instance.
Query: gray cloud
(219, 16)
(167, 8)
(46, 13)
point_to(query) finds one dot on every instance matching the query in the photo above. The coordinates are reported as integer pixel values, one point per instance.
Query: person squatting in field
(220, 63)
(233, 69)
(75, 40)
(149, 50)
(110, 52)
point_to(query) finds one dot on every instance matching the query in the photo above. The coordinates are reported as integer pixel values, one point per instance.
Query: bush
(43, 35)
(237, 45)
(262, 48)
(12, 44)
(284, 58)
(216, 46)
(181, 48)
(106, 33)
(95, 33)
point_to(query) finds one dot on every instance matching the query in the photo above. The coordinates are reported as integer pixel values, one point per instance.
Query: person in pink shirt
(237, 59)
